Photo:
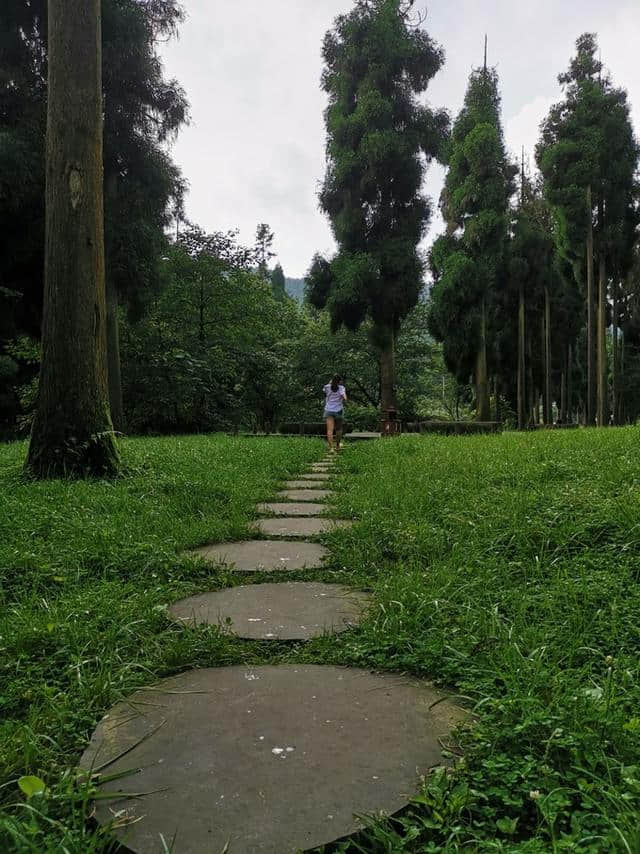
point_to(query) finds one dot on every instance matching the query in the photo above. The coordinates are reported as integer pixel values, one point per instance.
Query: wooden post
(591, 386)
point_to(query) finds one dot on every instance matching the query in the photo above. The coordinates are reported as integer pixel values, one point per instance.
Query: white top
(335, 399)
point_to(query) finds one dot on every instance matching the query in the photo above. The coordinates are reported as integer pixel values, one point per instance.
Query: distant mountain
(295, 288)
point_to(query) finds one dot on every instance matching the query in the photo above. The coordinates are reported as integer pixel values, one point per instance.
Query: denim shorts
(337, 415)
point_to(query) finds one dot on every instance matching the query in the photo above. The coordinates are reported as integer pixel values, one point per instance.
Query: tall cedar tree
(141, 110)
(380, 139)
(278, 283)
(588, 156)
(467, 262)
(72, 432)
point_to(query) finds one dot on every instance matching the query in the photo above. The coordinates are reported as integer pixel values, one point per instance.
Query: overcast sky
(255, 149)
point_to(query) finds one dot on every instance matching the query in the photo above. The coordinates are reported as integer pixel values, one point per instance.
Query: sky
(255, 149)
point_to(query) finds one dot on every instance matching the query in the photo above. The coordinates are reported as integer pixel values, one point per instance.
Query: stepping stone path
(275, 611)
(273, 759)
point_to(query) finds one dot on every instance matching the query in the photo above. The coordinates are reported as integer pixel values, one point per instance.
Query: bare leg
(331, 421)
(339, 429)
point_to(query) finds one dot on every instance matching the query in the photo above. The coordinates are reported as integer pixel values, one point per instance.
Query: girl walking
(335, 399)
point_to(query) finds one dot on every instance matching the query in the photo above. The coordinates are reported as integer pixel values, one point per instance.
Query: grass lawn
(507, 568)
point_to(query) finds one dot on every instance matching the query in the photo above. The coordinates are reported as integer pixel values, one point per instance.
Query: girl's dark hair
(335, 383)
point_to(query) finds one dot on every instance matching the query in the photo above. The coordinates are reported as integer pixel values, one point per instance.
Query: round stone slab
(265, 555)
(308, 485)
(304, 494)
(292, 527)
(266, 759)
(289, 508)
(275, 611)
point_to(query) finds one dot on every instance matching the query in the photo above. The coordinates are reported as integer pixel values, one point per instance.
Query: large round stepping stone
(304, 494)
(296, 611)
(264, 760)
(300, 527)
(265, 555)
(290, 508)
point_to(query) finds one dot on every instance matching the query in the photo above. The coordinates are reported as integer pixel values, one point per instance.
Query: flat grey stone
(264, 760)
(296, 611)
(321, 467)
(290, 508)
(304, 494)
(308, 485)
(317, 476)
(265, 555)
(299, 527)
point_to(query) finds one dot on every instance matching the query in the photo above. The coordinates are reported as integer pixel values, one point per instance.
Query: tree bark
(483, 405)
(521, 362)
(547, 358)
(72, 433)
(591, 384)
(388, 376)
(603, 402)
(570, 385)
(616, 357)
(113, 358)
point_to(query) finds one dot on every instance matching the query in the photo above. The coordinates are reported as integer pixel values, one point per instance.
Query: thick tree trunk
(496, 392)
(591, 383)
(388, 376)
(603, 391)
(483, 405)
(72, 432)
(521, 362)
(113, 358)
(547, 358)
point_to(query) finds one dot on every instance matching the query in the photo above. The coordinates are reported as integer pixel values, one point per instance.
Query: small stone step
(304, 494)
(299, 527)
(293, 611)
(309, 485)
(265, 555)
(290, 508)
(318, 477)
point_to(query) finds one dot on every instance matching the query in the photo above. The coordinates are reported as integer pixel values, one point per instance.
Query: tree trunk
(388, 376)
(521, 362)
(483, 405)
(603, 402)
(562, 416)
(113, 358)
(616, 357)
(547, 358)
(72, 432)
(570, 385)
(591, 385)
(496, 389)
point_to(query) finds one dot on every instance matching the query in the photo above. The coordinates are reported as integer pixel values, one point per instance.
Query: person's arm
(344, 395)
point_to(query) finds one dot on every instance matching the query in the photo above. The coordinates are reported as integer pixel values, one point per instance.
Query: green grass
(506, 568)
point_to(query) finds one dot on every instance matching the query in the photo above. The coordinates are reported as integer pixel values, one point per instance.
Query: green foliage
(278, 283)
(468, 261)
(588, 140)
(216, 349)
(142, 185)
(376, 64)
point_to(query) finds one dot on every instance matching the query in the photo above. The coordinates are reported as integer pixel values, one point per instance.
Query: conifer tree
(278, 282)
(380, 137)
(467, 262)
(588, 156)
